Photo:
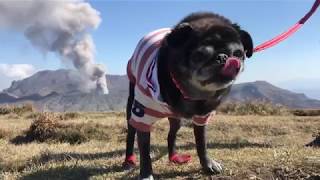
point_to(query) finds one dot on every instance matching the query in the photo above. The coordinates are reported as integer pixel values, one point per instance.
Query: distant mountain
(312, 93)
(62, 90)
(264, 91)
(7, 97)
(309, 86)
(60, 81)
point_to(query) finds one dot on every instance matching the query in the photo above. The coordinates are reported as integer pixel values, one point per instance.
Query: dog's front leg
(175, 125)
(208, 164)
(145, 160)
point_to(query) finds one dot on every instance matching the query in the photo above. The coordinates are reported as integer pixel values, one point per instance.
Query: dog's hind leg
(145, 159)
(174, 157)
(130, 159)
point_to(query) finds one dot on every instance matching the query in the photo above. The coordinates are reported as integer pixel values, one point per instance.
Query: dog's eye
(221, 58)
(206, 51)
(203, 53)
(238, 54)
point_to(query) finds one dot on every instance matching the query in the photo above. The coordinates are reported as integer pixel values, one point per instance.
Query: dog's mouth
(231, 68)
(227, 72)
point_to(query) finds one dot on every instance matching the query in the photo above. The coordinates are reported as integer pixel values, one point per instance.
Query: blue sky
(125, 22)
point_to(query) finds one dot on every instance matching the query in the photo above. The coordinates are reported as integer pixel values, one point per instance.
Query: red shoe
(129, 162)
(180, 158)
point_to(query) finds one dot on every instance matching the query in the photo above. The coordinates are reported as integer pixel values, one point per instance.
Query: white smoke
(58, 26)
(16, 71)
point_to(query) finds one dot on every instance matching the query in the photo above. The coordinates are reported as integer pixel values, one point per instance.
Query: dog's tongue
(231, 68)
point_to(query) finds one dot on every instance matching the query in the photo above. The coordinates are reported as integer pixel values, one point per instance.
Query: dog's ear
(180, 35)
(246, 40)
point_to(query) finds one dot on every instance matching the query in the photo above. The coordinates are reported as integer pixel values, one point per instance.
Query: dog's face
(206, 61)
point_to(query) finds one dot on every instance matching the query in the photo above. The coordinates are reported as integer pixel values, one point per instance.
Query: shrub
(16, 109)
(23, 109)
(253, 108)
(47, 128)
(69, 115)
(306, 112)
(5, 110)
(43, 128)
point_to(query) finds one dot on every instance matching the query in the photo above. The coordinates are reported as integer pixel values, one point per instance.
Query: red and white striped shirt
(148, 106)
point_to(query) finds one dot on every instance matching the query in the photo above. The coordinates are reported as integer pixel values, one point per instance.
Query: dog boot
(129, 163)
(179, 158)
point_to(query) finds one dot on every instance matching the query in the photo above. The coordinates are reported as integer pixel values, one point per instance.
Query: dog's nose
(221, 58)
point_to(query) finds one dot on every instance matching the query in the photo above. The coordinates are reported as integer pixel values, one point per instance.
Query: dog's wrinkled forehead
(220, 36)
(186, 37)
(220, 40)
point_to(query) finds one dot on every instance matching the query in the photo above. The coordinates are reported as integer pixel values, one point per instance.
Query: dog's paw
(146, 178)
(211, 166)
(129, 163)
(127, 166)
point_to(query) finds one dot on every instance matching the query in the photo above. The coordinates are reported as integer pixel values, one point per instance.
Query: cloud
(17, 71)
(62, 27)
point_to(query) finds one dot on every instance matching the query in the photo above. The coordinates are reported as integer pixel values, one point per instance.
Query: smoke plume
(62, 27)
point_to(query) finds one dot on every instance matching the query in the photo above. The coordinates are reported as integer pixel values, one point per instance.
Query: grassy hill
(91, 146)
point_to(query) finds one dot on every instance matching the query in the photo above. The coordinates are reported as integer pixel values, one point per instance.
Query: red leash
(289, 32)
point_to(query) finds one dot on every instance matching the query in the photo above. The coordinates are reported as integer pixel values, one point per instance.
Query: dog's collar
(179, 87)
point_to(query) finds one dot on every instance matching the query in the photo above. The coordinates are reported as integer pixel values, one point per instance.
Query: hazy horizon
(312, 90)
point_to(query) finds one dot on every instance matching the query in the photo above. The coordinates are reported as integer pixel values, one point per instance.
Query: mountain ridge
(62, 90)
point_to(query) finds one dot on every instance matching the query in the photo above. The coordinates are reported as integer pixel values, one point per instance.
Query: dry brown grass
(250, 147)
(4, 133)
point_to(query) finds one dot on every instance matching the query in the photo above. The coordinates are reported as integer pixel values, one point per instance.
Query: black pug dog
(182, 73)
